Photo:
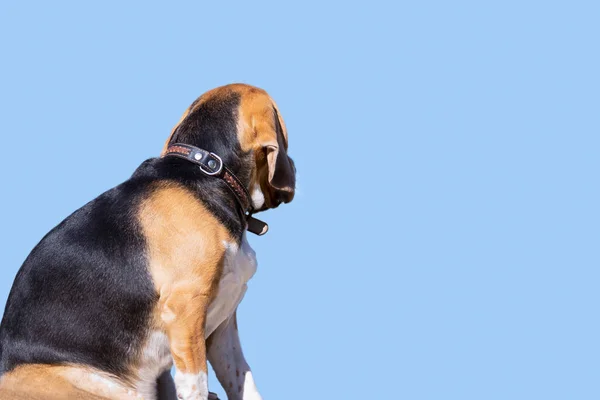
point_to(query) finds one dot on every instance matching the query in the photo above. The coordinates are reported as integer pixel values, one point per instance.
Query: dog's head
(242, 125)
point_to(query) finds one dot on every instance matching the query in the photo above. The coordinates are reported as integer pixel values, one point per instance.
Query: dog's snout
(284, 196)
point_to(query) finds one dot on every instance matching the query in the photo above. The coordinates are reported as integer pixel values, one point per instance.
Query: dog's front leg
(226, 357)
(184, 315)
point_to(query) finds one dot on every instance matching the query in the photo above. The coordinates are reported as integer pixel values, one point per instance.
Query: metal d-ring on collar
(212, 165)
(219, 163)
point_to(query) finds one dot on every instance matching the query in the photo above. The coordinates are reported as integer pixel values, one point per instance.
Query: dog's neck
(212, 165)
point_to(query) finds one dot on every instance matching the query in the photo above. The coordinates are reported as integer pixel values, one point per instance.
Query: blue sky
(443, 243)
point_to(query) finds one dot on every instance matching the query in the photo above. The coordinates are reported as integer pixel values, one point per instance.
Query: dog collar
(212, 165)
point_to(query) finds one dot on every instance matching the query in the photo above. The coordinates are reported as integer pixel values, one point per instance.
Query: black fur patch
(84, 294)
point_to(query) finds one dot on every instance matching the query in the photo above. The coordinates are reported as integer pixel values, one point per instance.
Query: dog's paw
(191, 386)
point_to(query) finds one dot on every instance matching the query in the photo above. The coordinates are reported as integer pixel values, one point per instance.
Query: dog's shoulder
(184, 238)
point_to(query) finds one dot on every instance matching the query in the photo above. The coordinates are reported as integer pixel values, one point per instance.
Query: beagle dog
(150, 273)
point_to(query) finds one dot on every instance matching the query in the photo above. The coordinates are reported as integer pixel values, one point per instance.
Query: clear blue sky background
(443, 243)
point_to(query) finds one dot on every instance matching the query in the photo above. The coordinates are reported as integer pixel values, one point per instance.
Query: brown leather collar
(212, 165)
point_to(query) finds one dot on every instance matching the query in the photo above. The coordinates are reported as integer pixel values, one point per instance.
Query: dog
(150, 274)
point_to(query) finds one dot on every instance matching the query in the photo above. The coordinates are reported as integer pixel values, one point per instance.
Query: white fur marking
(155, 359)
(250, 390)
(258, 197)
(191, 386)
(239, 267)
(100, 379)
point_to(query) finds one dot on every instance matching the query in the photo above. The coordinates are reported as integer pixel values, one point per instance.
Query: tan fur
(41, 382)
(186, 252)
(256, 109)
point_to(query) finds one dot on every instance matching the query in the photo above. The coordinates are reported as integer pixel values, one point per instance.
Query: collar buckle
(215, 163)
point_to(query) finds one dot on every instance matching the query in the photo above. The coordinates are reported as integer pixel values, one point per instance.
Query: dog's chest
(239, 267)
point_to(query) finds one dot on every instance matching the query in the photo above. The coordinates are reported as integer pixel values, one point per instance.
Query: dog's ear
(281, 169)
